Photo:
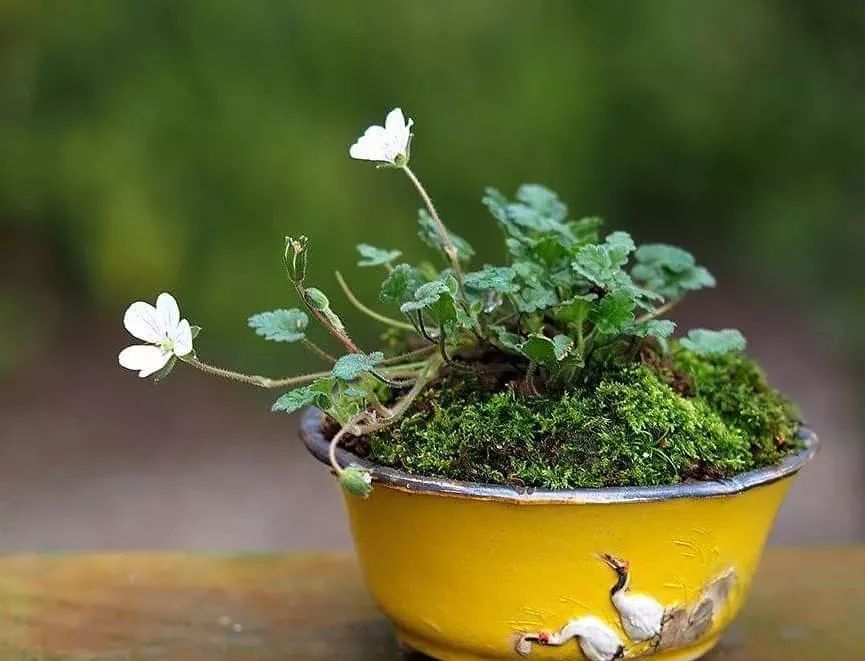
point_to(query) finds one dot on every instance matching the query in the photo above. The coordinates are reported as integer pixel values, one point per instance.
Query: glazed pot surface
(484, 572)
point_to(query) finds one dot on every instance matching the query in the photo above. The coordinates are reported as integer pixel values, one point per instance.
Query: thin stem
(253, 379)
(664, 309)
(343, 338)
(449, 247)
(318, 351)
(367, 311)
(418, 353)
(351, 425)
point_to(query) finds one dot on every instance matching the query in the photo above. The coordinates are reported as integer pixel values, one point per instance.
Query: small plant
(569, 305)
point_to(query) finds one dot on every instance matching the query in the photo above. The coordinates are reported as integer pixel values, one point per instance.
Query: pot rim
(317, 444)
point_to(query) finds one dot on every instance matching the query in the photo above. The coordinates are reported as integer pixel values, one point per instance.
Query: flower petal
(182, 338)
(145, 322)
(145, 358)
(371, 146)
(394, 123)
(168, 308)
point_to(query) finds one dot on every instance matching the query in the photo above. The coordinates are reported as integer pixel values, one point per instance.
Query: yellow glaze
(461, 577)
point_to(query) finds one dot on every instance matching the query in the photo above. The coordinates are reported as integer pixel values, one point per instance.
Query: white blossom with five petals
(385, 144)
(166, 334)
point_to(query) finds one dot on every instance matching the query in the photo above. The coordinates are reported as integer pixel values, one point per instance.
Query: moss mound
(653, 423)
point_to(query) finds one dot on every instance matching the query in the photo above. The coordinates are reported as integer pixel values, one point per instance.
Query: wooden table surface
(805, 604)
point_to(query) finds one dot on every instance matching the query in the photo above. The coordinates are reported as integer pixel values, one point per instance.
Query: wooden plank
(805, 604)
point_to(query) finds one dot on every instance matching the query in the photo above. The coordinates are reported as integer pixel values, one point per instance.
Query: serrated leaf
(576, 310)
(429, 234)
(601, 264)
(352, 365)
(532, 299)
(426, 295)
(614, 313)
(317, 393)
(542, 349)
(669, 270)
(372, 256)
(495, 278)
(714, 342)
(660, 329)
(542, 200)
(400, 284)
(506, 338)
(280, 325)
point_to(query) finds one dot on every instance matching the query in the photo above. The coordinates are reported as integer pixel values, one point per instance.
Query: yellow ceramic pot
(468, 571)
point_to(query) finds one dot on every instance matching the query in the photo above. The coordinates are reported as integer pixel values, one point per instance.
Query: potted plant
(534, 466)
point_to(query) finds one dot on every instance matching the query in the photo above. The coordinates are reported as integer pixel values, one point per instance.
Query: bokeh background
(171, 146)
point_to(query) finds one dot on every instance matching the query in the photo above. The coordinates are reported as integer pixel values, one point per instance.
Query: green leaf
(356, 481)
(352, 365)
(280, 325)
(542, 200)
(429, 234)
(660, 329)
(317, 300)
(669, 271)
(426, 295)
(541, 349)
(532, 299)
(400, 284)
(496, 278)
(714, 343)
(317, 393)
(601, 264)
(575, 311)
(506, 338)
(372, 256)
(614, 313)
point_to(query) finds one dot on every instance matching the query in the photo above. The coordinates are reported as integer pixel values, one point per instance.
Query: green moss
(631, 427)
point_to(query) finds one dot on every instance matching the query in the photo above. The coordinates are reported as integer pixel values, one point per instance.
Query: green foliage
(669, 270)
(429, 234)
(372, 256)
(315, 394)
(280, 325)
(351, 366)
(736, 387)
(629, 428)
(710, 342)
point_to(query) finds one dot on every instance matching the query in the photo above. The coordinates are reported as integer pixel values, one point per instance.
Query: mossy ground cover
(661, 420)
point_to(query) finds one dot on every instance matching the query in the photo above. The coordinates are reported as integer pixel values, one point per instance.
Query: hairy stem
(658, 312)
(450, 249)
(318, 351)
(367, 311)
(340, 335)
(253, 379)
(350, 426)
(418, 353)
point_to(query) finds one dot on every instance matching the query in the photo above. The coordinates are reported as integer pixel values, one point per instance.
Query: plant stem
(664, 309)
(450, 249)
(367, 311)
(408, 356)
(318, 351)
(342, 336)
(351, 425)
(253, 379)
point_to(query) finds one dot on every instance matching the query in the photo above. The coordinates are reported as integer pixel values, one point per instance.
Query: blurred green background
(171, 145)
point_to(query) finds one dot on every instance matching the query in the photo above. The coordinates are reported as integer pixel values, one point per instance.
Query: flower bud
(356, 481)
(295, 257)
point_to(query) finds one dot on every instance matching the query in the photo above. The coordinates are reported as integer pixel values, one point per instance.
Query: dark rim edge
(317, 444)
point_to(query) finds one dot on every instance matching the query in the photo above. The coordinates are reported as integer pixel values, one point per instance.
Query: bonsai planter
(476, 571)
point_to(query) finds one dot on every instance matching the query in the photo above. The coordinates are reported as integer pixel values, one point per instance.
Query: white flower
(387, 144)
(166, 334)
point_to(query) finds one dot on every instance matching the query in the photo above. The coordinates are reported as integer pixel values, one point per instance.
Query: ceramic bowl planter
(470, 571)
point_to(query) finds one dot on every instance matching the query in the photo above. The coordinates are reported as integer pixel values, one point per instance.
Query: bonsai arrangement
(552, 378)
